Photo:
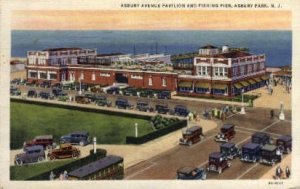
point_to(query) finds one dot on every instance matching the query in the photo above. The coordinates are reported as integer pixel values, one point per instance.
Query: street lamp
(243, 106)
(281, 115)
(136, 130)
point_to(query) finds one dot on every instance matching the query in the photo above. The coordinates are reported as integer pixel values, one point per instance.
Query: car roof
(285, 138)
(259, 134)
(250, 145)
(227, 126)
(80, 132)
(193, 128)
(122, 99)
(227, 145)
(215, 155)
(101, 97)
(34, 147)
(180, 106)
(96, 166)
(44, 137)
(142, 102)
(185, 170)
(269, 147)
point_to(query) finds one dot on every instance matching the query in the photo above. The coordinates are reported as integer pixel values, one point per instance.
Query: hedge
(161, 132)
(100, 153)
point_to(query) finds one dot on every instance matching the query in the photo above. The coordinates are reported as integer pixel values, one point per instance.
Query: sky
(151, 20)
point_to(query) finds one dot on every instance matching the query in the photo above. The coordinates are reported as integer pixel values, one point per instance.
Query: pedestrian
(271, 91)
(278, 172)
(51, 177)
(61, 176)
(272, 114)
(65, 175)
(287, 172)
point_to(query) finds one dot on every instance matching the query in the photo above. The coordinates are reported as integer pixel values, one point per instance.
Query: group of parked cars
(35, 150)
(261, 149)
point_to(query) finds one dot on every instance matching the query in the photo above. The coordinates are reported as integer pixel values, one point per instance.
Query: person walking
(272, 114)
(51, 177)
(278, 172)
(287, 172)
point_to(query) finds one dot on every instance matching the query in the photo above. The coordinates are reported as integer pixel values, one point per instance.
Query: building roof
(269, 147)
(208, 47)
(285, 138)
(215, 155)
(95, 166)
(232, 54)
(227, 145)
(63, 49)
(250, 145)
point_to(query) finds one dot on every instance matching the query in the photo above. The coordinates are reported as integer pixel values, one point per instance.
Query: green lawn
(27, 171)
(28, 121)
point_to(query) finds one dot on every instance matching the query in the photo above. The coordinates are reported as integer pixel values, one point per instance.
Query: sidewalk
(207, 100)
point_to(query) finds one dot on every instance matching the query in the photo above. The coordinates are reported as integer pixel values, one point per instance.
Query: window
(250, 68)
(105, 74)
(262, 65)
(32, 74)
(220, 71)
(202, 70)
(164, 82)
(254, 67)
(242, 70)
(53, 76)
(43, 75)
(150, 81)
(234, 71)
(93, 77)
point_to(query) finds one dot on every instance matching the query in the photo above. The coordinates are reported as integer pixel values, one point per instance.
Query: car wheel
(19, 162)
(41, 158)
(52, 158)
(81, 143)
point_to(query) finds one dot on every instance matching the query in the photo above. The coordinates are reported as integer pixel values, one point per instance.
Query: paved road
(165, 165)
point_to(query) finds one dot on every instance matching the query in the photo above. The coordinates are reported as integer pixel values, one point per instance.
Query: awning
(257, 79)
(185, 84)
(202, 85)
(264, 78)
(251, 81)
(219, 86)
(245, 83)
(238, 85)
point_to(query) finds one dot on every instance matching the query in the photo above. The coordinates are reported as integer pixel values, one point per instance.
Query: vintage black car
(32, 93)
(251, 152)
(261, 138)
(181, 110)
(144, 107)
(14, 91)
(31, 154)
(129, 91)
(81, 99)
(90, 96)
(227, 132)
(162, 109)
(270, 154)
(284, 143)
(123, 104)
(191, 173)
(217, 162)
(45, 95)
(191, 135)
(147, 93)
(230, 150)
(56, 91)
(103, 101)
(65, 150)
(15, 81)
(113, 90)
(164, 95)
(81, 137)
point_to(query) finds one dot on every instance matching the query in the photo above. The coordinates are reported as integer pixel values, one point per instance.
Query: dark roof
(95, 166)
(269, 147)
(232, 54)
(285, 138)
(180, 106)
(215, 155)
(227, 145)
(185, 170)
(227, 126)
(193, 128)
(259, 134)
(208, 47)
(250, 145)
(109, 54)
(63, 49)
(44, 137)
(34, 147)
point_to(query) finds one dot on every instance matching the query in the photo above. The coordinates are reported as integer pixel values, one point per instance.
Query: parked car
(32, 93)
(162, 109)
(103, 101)
(284, 143)
(45, 84)
(191, 135)
(230, 150)
(227, 132)
(270, 155)
(31, 154)
(56, 91)
(14, 91)
(217, 162)
(144, 107)
(64, 151)
(164, 95)
(90, 96)
(147, 93)
(123, 103)
(191, 173)
(251, 152)
(129, 91)
(113, 90)
(261, 138)
(181, 110)
(81, 137)
(43, 140)
(15, 81)
(46, 95)
(82, 99)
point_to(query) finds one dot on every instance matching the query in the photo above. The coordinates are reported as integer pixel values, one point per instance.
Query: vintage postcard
(151, 94)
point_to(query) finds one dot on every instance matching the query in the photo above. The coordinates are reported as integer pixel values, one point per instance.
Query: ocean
(277, 45)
